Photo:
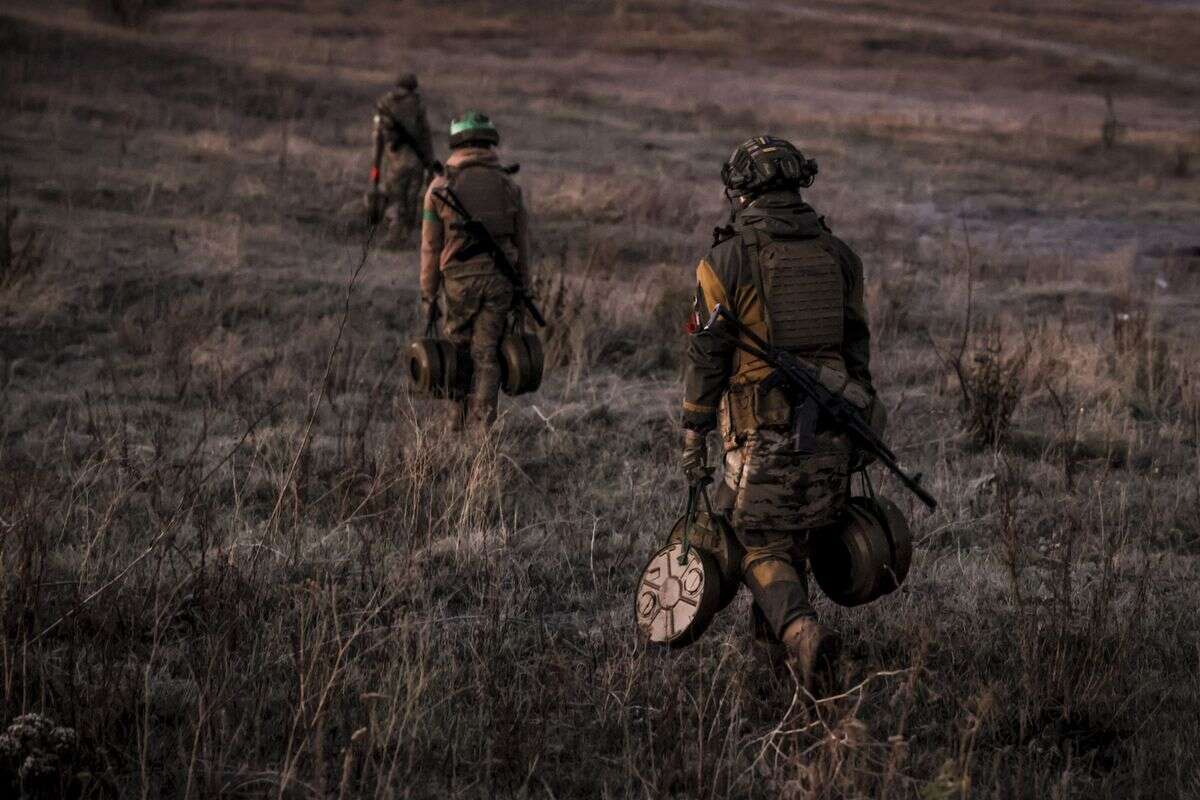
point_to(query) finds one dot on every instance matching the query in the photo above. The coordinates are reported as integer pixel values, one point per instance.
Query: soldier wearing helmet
(403, 157)
(480, 302)
(786, 472)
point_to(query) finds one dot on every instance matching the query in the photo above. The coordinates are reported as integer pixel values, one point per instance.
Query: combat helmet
(471, 128)
(764, 163)
(407, 82)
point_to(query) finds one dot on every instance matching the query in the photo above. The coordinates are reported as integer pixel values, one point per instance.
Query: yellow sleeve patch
(697, 408)
(710, 284)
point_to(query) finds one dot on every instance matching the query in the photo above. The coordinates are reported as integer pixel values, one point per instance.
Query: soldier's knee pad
(766, 570)
(774, 550)
(778, 590)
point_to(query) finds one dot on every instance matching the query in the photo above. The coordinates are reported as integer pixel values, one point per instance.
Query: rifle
(803, 378)
(482, 242)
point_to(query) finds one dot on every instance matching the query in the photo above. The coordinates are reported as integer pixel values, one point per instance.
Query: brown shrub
(992, 384)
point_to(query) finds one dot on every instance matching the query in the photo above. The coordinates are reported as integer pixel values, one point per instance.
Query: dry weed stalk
(993, 380)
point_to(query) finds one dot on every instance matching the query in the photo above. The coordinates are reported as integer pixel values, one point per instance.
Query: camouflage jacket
(401, 122)
(725, 276)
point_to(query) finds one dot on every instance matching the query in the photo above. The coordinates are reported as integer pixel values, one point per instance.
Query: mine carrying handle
(482, 241)
(696, 490)
(803, 379)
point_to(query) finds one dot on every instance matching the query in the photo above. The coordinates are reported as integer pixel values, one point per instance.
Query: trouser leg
(403, 187)
(485, 354)
(779, 587)
(463, 301)
(476, 314)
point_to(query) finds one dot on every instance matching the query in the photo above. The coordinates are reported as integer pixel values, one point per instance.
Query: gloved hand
(695, 458)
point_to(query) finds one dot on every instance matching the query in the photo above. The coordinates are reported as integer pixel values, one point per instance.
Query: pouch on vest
(805, 295)
(804, 427)
(772, 408)
(740, 400)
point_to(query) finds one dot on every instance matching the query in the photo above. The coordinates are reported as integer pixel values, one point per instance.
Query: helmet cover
(767, 162)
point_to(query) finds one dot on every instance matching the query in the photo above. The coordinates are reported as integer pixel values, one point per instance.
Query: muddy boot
(813, 652)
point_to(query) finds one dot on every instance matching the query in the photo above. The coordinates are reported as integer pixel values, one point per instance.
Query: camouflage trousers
(402, 185)
(477, 309)
(778, 498)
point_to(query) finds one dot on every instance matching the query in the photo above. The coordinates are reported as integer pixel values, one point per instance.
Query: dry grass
(240, 560)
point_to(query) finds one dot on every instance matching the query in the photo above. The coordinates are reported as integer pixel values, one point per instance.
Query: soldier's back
(403, 108)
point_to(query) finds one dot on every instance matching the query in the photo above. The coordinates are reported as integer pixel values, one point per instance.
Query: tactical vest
(485, 191)
(803, 292)
(801, 289)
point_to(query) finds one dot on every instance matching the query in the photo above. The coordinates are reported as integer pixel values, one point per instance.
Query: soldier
(786, 476)
(402, 142)
(478, 298)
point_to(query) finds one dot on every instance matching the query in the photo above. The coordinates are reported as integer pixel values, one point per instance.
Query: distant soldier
(783, 273)
(479, 299)
(403, 159)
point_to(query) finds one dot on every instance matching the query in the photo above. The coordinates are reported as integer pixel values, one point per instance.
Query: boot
(813, 652)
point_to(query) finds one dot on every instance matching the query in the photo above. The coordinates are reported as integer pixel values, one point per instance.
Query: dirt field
(239, 559)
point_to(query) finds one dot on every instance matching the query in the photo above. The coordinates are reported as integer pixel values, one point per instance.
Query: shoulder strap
(752, 240)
